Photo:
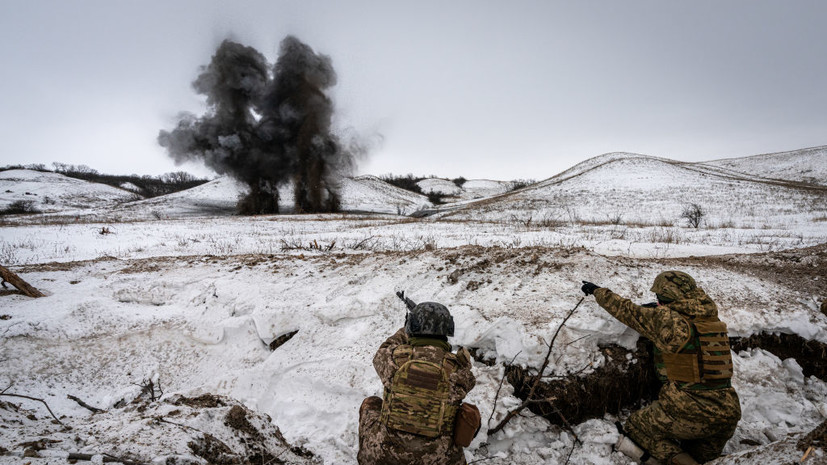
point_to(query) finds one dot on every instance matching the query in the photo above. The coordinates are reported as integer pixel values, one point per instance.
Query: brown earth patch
(202, 401)
(281, 340)
(256, 448)
(236, 419)
(815, 438)
(213, 450)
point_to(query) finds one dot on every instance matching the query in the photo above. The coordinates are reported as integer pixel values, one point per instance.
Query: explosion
(266, 129)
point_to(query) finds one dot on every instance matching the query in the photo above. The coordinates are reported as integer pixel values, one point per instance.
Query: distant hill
(633, 188)
(469, 190)
(771, 189)
(219, 196)
(54, 193)
(805, 165)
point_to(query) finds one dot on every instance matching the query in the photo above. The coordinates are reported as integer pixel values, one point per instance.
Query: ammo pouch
(466, 425)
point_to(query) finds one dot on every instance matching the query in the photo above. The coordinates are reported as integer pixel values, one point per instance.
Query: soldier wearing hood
(421, 419)
(697, 409)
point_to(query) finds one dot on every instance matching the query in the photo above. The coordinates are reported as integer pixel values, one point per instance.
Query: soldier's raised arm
(667, 330)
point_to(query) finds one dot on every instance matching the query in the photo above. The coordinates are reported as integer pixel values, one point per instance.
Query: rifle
(650, 305)
(408, 303)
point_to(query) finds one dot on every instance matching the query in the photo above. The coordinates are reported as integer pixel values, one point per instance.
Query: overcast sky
(481, 89)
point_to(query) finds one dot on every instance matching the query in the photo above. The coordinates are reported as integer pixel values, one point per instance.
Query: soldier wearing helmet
(697, 409)
(421, 418)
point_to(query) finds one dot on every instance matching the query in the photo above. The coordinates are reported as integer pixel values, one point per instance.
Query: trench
(811, 355)
(628, 381)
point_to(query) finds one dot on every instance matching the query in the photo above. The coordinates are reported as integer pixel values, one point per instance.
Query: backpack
(417, 400)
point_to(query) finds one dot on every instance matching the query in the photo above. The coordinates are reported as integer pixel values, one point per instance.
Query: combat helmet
(429, 319)
(674, 285)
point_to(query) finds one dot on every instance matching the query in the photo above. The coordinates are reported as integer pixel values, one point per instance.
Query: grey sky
(481, 89)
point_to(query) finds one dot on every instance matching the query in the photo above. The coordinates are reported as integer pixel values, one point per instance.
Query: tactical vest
(704, 362)
(417, 400)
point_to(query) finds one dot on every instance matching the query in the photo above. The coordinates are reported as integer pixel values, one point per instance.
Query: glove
(588, 288)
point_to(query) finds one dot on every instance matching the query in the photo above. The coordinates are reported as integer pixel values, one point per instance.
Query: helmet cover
(429, 319)
(674, 285)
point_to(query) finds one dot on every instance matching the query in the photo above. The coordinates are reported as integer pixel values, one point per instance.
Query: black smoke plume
(266, 129)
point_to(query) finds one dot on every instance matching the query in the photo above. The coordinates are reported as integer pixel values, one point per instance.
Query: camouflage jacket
(669, 331)
(387, 446)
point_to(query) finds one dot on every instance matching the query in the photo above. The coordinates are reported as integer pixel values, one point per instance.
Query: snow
(469, 190)
(439, 186)
(189, 297)
(53, 192)
(808, 165)
(624, 190)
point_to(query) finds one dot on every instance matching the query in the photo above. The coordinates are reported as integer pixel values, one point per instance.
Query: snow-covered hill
(53, 192)
(59, 195)
(469, 190)
(359, 194)
(805, 165)
(371, 194)
(621, 188)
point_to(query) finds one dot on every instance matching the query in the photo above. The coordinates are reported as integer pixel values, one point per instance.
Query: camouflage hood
(685, 295)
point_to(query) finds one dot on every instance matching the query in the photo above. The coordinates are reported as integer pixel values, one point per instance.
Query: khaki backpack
(417, 400)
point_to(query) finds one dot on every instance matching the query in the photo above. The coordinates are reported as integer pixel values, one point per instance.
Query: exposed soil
(815, 438)
(211, 449)
(237, 419)
(202, 401)
(626, 381)
(281, 340)
(256, 452)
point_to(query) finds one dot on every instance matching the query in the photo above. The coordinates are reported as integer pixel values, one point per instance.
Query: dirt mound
(173, 431)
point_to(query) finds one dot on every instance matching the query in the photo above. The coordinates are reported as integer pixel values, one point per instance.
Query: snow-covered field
(169, 290)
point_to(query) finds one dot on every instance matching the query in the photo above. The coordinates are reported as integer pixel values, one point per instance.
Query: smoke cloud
(267, 129)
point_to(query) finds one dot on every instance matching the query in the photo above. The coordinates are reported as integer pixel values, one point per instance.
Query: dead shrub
(693, 214)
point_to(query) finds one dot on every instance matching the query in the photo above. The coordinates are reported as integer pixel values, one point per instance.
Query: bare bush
(20, 207)
(519, 184)
(693, 214)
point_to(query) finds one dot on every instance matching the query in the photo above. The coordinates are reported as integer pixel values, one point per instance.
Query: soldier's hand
(588, 288)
